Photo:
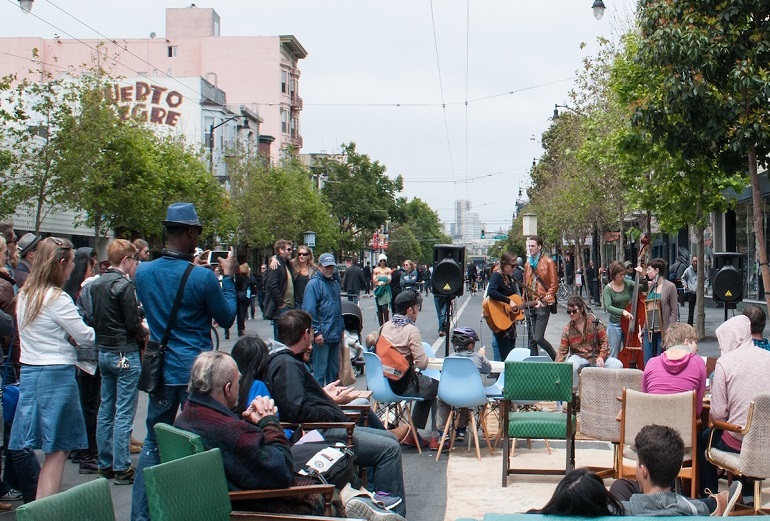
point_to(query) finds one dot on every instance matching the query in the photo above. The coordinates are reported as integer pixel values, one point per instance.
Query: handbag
(394, 365)
(325, 462)
(10, 390)
(152, 362)
(346, 375)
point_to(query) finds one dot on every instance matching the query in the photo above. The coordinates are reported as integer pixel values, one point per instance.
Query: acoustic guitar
(498, 314)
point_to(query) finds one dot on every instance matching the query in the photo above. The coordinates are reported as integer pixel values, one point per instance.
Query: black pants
(90, 398)
(690, 298)
(538, 321)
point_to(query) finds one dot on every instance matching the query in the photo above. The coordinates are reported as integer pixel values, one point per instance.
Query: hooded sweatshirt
(663, 504)
(742, 372)
(664, 375)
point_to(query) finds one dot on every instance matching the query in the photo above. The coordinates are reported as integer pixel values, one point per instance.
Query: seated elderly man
(584, 342)
(255, 449)
(301, 399)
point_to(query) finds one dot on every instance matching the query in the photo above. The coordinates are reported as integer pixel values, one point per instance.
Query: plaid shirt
(574, 342)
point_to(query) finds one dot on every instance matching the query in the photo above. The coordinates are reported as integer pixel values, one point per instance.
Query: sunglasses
(303, 254)
(573, 311)
(60, 243)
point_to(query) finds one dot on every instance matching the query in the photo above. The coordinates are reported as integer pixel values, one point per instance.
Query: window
(284, 121)
(284, 82)
(173, 51)
(294, 127)
(293, 91)
(207, 122)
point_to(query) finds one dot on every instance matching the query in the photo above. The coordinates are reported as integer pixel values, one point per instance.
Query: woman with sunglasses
(409, 277)
(304, 268)
(49, 415)
(584, 341)
(501, 286)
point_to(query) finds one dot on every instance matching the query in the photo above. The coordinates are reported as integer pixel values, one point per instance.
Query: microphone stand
(595, 351)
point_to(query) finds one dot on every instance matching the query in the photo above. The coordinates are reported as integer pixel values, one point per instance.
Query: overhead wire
(443, 104)
(467, 76)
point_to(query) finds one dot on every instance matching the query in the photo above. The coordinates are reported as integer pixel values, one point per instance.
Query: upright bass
(632, 353)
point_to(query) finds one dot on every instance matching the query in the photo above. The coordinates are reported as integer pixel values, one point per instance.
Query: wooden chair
(754, 459)
(673, 410)
(599, 408)
(541, 381)
(90, 501)
(175, 443)
(194, 488)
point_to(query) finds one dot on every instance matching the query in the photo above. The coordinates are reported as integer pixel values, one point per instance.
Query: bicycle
(214, 337)
(565, 290)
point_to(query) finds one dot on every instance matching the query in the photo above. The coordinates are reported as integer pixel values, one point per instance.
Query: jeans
(505, 343)
(538, 318)
(578, 362)
(653, 348)
(162, 408)
(116, 413)
(495, 350)
(278, 312)
(426, 388)
(707, 471)
(326, 362)
(378, 449)
(614, 338)
(441, 304)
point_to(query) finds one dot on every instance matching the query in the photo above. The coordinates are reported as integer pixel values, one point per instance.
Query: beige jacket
(408, 341)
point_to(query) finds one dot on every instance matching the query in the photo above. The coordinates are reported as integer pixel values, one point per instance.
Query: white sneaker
(366, 508)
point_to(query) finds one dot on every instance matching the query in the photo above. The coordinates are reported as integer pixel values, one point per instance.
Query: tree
(278, 203)
(417, 228)
(361, 196)
(710, 107)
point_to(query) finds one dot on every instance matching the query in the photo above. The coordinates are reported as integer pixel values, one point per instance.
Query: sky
(394, 77)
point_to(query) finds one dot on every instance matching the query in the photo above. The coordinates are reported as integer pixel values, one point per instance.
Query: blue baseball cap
(327, 259)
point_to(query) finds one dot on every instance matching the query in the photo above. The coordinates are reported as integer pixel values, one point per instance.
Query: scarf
(400, 320)
(534, 260)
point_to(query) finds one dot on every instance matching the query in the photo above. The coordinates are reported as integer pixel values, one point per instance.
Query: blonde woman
(409, 277)
(49, 415)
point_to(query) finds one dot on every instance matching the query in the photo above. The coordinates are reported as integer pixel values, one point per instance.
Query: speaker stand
(447, 318)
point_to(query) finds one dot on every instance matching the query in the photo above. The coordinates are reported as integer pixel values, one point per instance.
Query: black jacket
(275, 285)
(354, 281)
(297, 394)
(115, 313)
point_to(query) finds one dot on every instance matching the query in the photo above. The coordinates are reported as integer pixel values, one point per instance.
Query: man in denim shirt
(203, 300)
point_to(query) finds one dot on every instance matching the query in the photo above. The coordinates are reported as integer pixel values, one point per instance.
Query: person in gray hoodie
(660, 451)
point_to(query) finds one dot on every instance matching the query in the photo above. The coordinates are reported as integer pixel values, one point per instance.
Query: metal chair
(382, 393)
(673, 410)
(91, 501)
(546, 381)
(600, 389)
(460, 387)
(754, 459)
(175, 443)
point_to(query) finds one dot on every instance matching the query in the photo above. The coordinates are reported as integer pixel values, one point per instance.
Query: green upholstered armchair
(540, 381)
(175, 443)
(87, 502)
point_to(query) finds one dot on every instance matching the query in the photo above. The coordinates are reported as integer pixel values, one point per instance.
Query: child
(464, 341)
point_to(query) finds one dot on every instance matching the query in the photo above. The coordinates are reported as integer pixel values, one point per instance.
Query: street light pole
(211, 139)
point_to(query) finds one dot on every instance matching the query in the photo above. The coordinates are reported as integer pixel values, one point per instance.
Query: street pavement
(425, 478)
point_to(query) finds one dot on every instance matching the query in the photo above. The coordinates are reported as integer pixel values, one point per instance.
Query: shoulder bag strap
(9, 359)
(175, 308)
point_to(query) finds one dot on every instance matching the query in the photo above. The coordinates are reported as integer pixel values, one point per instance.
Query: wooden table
(438, 363)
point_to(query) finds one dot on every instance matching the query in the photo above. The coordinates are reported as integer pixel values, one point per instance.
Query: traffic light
(483, 234)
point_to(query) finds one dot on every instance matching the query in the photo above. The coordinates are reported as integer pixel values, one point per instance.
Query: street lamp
(211, 132)
(529, 224)
(26, 5)
(598, 9)
(309, 239)
(556, 108)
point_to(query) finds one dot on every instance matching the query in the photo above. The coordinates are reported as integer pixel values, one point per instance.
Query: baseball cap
(407, 299)
(327, 259)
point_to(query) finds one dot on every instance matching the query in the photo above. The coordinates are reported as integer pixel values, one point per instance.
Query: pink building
(256, 72)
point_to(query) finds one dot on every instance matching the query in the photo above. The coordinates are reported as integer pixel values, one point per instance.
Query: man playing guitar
(540, 276)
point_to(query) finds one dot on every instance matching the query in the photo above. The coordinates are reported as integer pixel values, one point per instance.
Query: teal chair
(543, 382)
(87, 502)
(175, 443)
(194, 488)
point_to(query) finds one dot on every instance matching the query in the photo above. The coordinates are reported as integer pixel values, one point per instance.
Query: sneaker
(125, 477)
(435, 441)
(411, 441)
(366, 508)
(107, 473)
(387, 501)
(11, 495)
(727, 499)
(88, 466)
(460, 434)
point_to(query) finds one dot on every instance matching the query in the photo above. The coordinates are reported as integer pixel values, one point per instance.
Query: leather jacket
(115, 312)
(546, 270)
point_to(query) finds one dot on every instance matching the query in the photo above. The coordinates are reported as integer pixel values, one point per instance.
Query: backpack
(394, 365)
(325, 462)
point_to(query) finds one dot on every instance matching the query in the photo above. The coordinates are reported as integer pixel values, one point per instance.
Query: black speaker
(448, 270)
(727, 285)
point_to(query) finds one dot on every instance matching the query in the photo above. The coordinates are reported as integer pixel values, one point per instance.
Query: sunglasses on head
(60, 243)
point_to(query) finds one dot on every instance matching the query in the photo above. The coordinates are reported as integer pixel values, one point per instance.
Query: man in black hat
(203, 300)
(402, 332)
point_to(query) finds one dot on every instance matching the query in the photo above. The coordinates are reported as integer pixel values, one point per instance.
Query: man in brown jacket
(540, 276)
(406, 338)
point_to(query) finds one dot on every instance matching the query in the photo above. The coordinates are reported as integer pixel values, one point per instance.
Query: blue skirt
(49, 415)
